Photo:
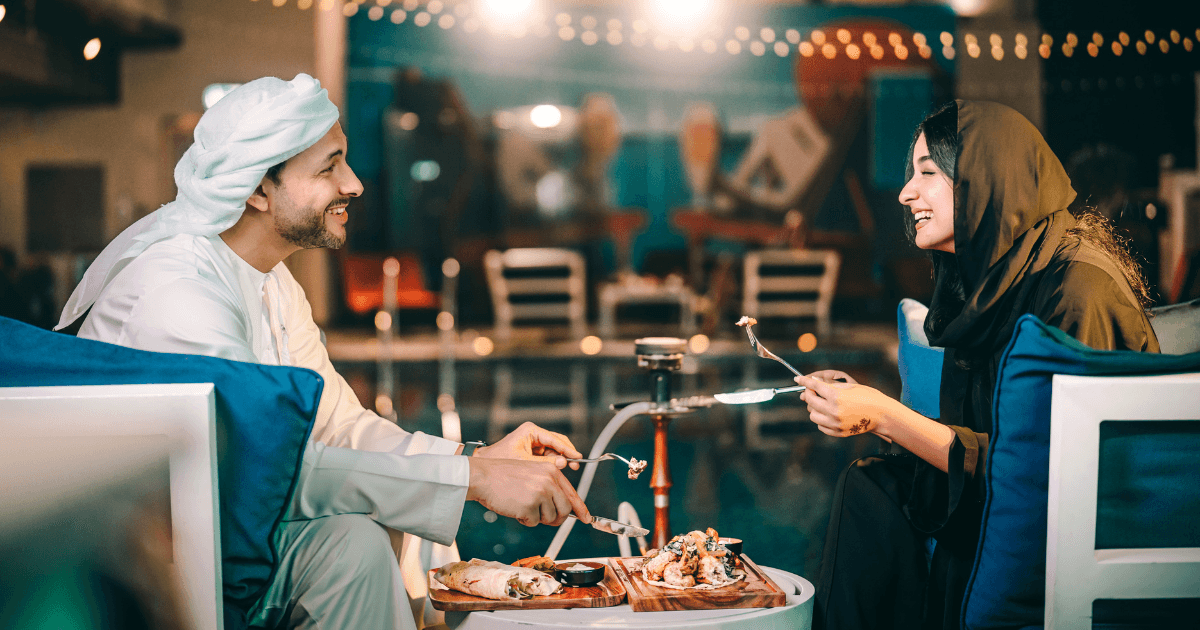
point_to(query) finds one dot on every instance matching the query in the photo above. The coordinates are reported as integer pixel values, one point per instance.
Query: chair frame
(183, 414)
(824, 285)
(1076, 573)
(501, 288)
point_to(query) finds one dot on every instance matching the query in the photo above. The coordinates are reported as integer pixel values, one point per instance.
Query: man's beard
(310, 233)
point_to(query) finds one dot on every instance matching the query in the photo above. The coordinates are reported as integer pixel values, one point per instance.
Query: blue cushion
(264, 417)
(920, 364)
(1007, 584)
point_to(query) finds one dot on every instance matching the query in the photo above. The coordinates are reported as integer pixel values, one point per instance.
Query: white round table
(795, 615)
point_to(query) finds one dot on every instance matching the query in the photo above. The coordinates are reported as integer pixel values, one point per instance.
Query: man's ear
(258, 200)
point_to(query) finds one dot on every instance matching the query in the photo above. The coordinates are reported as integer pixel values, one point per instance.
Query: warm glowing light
(483, 346)
(901, 52)
(3, 11)
(1117, 48)
(562, 19)
(968, 8)
(411, 5)
(589, 37)
(829, 51)
(767, 34)
(699, 344)
(398, 16)
(614, 38)
(806, 49)
(781, 49)
(1093, 49)
(391, 267)
(326, 5)
(91, 49)
(948, 52)
(843, 36)
(733, 47)
(758, 48)
(445, 403)
(383, 320)
(919, 39)
(1044, 51)
(997, 53)
(895, 40)
(383, 405)
(349, 9)
(422, 19)
(614, 24)
(1124, 38)
(435, 6)
(1072, 40)
(1047, 39)
(969, 38)
(545, 116)
(566, 33)
(973, 50)
(946, 38)
(1187, 44)
(792, 35)
(1163, 45)
(640, 26)
(995, 40)
(1097, 39)
(446, 21)
(1149, 37)
(278, 3)
(1175, 36)
(1020, 52)
(682, 16)
(807, 342)
(445, 321)
(591, 345)
(1021, 40)
(818, 38)
(303, 5)
(741, 33)
(1141, 48)
(926, 52)
(869, 39)
(409, 121)
(589, 22)
(877, 51)
(1067, 49)
(852, 51)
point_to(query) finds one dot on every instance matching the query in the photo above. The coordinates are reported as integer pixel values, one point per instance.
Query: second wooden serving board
(757, 590)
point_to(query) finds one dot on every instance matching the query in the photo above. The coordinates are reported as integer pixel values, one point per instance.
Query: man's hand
(530, 442)
(843, 409)
(530, 491)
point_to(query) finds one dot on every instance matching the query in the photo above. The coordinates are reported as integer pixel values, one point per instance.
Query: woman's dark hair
(941, 135)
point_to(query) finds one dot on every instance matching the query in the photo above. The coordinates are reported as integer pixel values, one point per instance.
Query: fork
(747, 322)
(603, 458)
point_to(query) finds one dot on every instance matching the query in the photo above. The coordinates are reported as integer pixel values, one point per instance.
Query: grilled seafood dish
(693, 560)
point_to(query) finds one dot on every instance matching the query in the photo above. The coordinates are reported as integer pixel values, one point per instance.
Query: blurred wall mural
(572, 127)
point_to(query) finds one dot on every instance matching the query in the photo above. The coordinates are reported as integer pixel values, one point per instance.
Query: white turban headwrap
(258, 125)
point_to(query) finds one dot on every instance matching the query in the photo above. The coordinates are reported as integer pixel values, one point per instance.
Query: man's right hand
(530, 491)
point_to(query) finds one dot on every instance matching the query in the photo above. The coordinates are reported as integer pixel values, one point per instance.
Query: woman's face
(930, 197)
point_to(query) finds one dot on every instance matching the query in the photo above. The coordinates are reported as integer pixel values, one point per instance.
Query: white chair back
(791, 283)
(537, 283)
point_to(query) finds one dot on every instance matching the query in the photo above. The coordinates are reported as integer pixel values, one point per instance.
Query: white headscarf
(251, 129)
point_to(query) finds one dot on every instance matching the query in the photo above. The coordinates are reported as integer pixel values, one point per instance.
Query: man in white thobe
(266, 177)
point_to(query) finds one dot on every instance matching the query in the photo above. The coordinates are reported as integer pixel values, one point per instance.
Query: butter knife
(756, 395)
(617, 528)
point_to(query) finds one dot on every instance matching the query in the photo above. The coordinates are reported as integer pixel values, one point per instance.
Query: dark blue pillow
(920, 364)
(1007, 584)
(264, 417)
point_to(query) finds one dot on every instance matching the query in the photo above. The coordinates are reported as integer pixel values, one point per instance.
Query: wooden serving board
(756, 590)
(609, 592)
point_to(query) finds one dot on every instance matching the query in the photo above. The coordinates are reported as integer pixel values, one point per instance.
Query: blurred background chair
(791, 283)
(543, 397)
(537, 284)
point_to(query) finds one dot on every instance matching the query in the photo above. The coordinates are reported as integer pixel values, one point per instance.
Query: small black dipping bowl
(591, 577)
(732, 544)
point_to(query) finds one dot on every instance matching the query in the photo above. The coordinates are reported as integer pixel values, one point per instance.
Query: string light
(852, 51)
(1149, 37)
(793, 36)
(1117, 48)
(818, 38)
(1163, 45)
(806, 49)
(614, 38)
(375, 13)
(1187, 44)
(918, 39)
(877, 52)
(781, 49)
(1097, 39)
(733, 47)
(350, 8)
(588, 22)
(446, 21)
(422, 19)
(1044, 51)
(869, 39)
(947, 39)
(1123, 37)
(398, 16)
(948, 52)
(741, 33)
(1141, 48)
(589, 38)
(91, 49)
(304, 5)
(758, 49)
(895, 40)
(843, 36)
(767, 34)
(1093, 49)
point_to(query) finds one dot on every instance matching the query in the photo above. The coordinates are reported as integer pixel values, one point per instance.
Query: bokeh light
(807, 342)
(591, 345)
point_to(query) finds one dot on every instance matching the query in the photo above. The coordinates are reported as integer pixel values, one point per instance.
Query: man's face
(313, 192)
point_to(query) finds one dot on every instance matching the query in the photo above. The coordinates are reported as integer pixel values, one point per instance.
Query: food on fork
(693, 560)
(636, 466)
(494, 580)
(746, 320)
(541, 563)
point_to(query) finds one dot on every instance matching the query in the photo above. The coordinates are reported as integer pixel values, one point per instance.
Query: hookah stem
(660, 480)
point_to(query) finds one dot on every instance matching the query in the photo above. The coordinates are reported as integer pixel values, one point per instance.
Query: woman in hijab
(988, 199)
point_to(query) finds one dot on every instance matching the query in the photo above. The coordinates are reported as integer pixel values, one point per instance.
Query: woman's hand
(840, 406)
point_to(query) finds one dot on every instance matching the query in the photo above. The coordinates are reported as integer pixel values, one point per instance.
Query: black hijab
(1010, 213)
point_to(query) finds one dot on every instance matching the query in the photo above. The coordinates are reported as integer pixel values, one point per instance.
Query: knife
(617, 528)
(756, 395)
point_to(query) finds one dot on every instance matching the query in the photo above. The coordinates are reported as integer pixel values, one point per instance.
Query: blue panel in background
(901, 100)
